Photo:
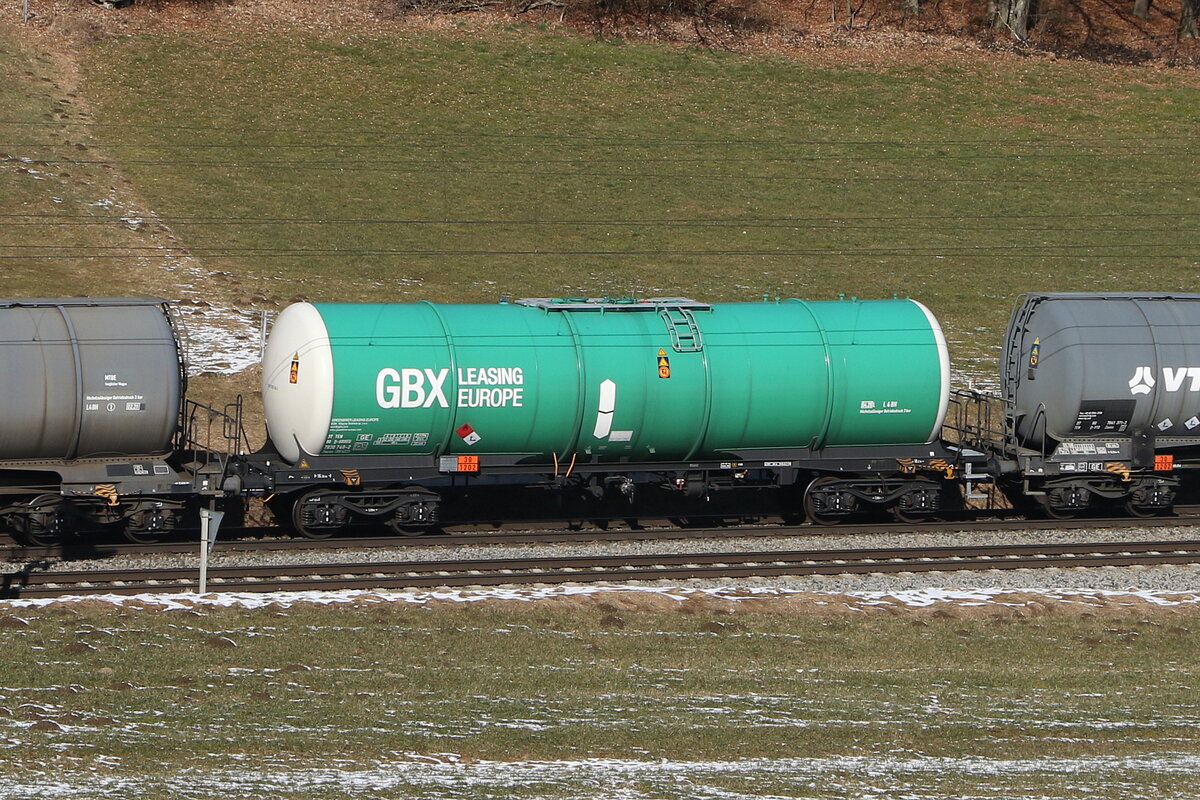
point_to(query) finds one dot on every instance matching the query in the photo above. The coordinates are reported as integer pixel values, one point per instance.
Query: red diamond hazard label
(467, 433)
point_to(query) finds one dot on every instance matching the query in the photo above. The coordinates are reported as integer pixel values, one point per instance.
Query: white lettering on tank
(411, 387)
(490, 398)
(387, 395)
(1174, 378)
(490, 376)
(435, 388)
(411, 391)
(414, 388)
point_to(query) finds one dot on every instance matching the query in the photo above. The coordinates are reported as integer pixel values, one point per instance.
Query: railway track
(585, 569)
(252, 539)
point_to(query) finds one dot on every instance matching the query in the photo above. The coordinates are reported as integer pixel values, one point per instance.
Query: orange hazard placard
(1164, 463)
(468, 463)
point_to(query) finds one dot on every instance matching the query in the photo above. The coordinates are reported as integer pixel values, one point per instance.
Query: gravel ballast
(1161, 578)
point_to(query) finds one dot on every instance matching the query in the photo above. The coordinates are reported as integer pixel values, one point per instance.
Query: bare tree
(1013, 16)
(853, 9)
(1189, 16)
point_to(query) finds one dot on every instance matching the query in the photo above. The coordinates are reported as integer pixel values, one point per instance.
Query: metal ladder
(685, 333)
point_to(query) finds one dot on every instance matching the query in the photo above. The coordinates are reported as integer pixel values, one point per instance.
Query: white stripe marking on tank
(944, 357)
(608, 404)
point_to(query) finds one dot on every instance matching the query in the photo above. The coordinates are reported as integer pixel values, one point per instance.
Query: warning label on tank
(468, 434)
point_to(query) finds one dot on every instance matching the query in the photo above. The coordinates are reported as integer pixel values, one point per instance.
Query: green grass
(472, 165)
(310, 687)
(41, 182)
(477, 164)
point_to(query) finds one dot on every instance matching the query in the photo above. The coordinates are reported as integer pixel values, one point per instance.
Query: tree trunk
(1189, 14)
(1141, 9)
(1013, 16)
(998, 12)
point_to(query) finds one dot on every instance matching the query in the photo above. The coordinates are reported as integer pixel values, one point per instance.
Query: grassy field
(480, 163)
(483, 162)
(312, 701)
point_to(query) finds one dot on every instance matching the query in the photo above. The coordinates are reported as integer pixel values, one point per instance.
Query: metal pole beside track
(210, 523)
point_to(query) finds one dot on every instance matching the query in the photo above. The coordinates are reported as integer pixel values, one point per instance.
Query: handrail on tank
(207, 444)
(972, 421)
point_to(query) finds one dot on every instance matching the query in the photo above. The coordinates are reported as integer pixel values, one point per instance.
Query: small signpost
(210, 523)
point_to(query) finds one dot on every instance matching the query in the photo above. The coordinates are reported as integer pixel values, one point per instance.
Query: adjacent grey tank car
(87, 378)
(93, 428)
(1101, 401)
(1093, 365)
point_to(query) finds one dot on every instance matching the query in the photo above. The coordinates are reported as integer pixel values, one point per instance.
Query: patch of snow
(916, 598)
(417, 775)
(221, 340)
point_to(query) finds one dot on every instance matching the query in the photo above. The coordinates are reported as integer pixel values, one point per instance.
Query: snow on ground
(443, 776)
(221, 339)
(918, 598)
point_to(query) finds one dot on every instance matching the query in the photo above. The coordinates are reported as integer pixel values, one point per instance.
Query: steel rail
(491, 572)
(92, 550)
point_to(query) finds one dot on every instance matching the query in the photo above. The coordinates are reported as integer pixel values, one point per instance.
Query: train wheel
(1150, 501)
(417, 514)
(138, 536)
(1135, 509)
(314, 519)
(910, 517)
(919, 504)
(816, 505)
(44, 523)
(1057, 512)
(406, 529)
(39, 539)
(147, 526)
